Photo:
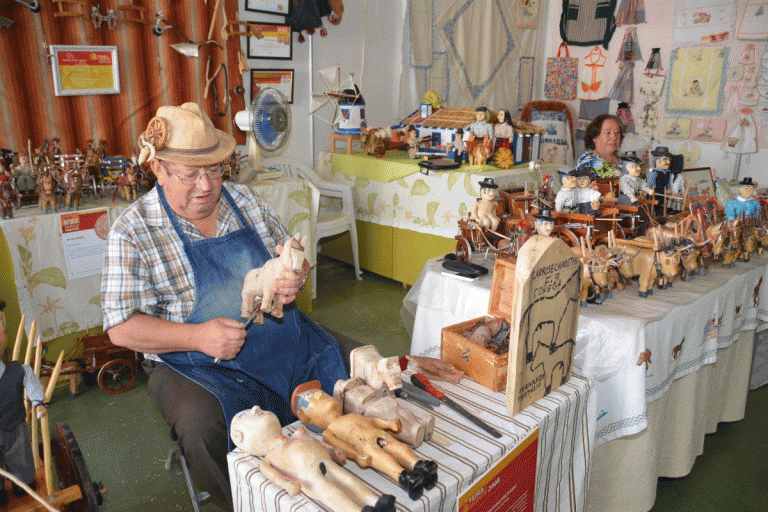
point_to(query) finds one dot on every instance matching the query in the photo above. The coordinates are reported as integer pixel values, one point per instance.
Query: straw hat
(184, 135)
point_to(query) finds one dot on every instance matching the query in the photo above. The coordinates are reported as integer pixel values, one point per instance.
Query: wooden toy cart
(115, 367)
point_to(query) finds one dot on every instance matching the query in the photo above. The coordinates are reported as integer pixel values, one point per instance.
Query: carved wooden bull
(651, 263)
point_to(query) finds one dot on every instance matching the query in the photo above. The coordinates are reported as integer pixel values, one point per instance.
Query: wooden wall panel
(151, 74)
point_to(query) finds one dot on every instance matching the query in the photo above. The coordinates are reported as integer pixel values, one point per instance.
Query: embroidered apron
(592, 84)
(276, 356)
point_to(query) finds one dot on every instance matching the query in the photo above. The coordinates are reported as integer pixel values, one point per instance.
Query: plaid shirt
(145, 267)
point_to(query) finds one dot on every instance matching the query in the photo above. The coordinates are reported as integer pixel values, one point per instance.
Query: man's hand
(221, 338)
(288, 284)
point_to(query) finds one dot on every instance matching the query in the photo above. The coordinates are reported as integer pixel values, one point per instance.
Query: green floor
(125, 442)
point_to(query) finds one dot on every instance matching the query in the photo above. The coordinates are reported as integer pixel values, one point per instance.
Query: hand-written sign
(545, 313)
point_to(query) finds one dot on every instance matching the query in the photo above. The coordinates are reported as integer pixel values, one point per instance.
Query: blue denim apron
(276, 356)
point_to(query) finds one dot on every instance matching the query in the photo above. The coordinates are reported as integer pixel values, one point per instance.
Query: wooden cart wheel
(117, 376)
(72, 470)
(463, 250)
(566, 235)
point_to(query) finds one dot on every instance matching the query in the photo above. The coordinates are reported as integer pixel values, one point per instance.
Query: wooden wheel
(72, 470)
(566, 235)
(463, 250)
(117, 376)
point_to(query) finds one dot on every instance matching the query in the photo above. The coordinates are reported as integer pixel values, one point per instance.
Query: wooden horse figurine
(47, 187)
(258, 282)
(74, 189)
(130, 183)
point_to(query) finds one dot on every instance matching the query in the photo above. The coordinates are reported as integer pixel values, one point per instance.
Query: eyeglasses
(213, 172)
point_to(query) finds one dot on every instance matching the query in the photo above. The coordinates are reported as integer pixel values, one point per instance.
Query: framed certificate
(81, 70)
(280, 79)
(269, 6)
(270, 41)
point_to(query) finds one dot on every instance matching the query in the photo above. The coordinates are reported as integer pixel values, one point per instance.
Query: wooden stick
(38, 355)
(44, 427)
(30, 342)
(33, 423)
(17, 343)
(213, 19)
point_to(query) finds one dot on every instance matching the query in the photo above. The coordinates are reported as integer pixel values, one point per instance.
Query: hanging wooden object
(133, 13)
(83, 13)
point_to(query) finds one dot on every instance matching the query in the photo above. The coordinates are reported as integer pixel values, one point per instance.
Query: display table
(33, 266)
(565, 420)
(405, 217)
(696, 337)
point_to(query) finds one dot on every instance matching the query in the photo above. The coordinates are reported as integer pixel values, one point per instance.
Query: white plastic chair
(327, 223)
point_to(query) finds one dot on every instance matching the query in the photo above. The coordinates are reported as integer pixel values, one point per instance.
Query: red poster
(509, 486)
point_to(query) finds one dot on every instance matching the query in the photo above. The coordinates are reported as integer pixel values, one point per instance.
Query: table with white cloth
(565, 419)
(35, 280)
(667, 368)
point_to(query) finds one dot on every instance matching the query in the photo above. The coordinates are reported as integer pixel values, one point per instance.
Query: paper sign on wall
(84, 236)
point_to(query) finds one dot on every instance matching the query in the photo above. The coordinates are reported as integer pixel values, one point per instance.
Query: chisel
(420, 381)
(245, 328)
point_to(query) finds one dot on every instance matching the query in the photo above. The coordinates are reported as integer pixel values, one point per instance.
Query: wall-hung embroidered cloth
(592, 84)
(696, 81)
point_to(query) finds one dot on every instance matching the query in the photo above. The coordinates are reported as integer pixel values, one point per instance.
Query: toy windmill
(340, 93)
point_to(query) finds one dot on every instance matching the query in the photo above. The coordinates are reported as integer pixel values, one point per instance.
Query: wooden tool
(17, 344)
(44, 427)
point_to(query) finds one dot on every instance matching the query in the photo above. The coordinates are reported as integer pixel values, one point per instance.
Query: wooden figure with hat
(544, 223)
(631, 184)
(484, 210)
(588, 198)
(567, 198)
(745, 204)
(658, 177)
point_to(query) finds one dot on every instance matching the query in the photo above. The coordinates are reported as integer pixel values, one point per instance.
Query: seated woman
(602, 138)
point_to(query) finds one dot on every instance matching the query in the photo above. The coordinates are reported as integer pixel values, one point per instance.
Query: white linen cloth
(565, 420)
(699, 316)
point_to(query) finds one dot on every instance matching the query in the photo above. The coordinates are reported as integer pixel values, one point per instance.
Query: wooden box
(478, 363)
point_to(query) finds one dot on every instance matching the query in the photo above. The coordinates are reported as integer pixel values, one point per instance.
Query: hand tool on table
(422, 382)
(411, 392)
(245, 328)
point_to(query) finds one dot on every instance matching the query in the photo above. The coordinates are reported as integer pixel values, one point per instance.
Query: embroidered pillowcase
(555, 143)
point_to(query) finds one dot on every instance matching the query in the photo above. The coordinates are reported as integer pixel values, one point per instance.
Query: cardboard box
(478, 363)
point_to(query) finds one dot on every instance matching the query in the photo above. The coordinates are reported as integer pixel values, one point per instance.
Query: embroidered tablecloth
(633, 347)
(428, 203)
(565, 420)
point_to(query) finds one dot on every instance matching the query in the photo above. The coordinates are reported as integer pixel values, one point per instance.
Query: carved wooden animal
(481, 153)
(646, 262)
(258, 284)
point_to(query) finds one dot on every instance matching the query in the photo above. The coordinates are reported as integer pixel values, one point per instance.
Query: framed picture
(280, 79)
(269, 6)
(700, 181)
(81, 70)
(272, 41)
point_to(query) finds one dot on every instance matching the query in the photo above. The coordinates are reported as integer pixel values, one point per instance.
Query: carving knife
(245, 328)
(422, 382)
(409, 391)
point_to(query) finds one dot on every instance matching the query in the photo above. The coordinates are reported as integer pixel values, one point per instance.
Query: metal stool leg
(196, 497)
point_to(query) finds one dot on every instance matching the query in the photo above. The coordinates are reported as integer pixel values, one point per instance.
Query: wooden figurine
(24, 174)
(16, 447)
(257, 287)
(364, 440)
(47, 186)
(357, 396)
(414, 142)
(74, 181)
(457, 148)
(481, 152)
(130, 182)
(544, 223)
(484, 210)
(631, 183)
(9, 197)
(545, 313)
(302, 464)
(658, 177)
(567, 198)
(589, 198)
(745, 204)
(479, 128)
(503, 132)
(367, 364)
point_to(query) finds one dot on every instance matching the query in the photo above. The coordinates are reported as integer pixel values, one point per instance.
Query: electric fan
(268, 123)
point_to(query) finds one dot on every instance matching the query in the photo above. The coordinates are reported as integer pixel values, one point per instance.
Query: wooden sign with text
(545, 314)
